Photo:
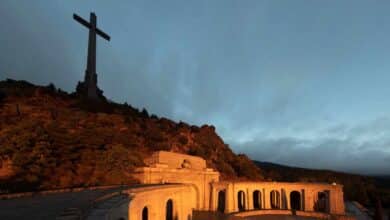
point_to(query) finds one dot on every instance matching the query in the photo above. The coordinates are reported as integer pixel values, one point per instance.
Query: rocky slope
(52, 139)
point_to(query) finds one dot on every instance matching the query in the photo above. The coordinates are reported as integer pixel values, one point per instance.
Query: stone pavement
(357, 210)
(102, 210)
(61, 206)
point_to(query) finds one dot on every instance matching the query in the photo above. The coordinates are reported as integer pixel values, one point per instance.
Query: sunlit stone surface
(198, 188)
(181, 187)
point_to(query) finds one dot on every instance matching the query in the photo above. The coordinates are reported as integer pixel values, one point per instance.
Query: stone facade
(154, 200)
(168, 167)
(196, 187)
(176, 161)
(307, 198)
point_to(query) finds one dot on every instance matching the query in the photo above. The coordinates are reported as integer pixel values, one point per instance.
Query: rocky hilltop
(52, 139)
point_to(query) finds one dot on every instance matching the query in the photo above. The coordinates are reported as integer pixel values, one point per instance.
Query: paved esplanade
(50, 206)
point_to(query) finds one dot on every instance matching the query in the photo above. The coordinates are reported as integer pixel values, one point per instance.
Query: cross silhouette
(90, 79)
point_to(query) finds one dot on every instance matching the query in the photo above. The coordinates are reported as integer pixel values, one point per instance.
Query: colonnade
(242, 196)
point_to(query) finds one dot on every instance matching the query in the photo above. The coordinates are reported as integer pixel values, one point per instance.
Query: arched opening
(169, 210)
(275, 199)
(322, 204)
(145, 213)
(295, 200)
(241, 201)
(221, 201)
(256, 199)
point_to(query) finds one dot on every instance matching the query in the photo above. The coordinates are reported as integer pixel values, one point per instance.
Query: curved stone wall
(156, 199)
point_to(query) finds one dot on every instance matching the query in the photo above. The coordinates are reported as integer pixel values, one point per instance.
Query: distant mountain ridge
(267, 164)
(364, 189)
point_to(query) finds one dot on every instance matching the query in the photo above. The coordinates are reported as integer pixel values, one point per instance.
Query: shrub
(183, 140)
(144, 113)
(2, 96)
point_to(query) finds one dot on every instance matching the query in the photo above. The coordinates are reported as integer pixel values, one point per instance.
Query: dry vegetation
(50, 139)
(54, 140)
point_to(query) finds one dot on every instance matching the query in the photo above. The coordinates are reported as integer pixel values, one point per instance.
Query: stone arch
(256, 199)
(195, 189)
(221, 201)
(241, 200)
(169, 214)
(197, 196)
(322, 203)
(145, 213)
(295, 200)
(275, 199)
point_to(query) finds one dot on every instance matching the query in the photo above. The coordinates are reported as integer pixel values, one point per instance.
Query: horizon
(302, 84)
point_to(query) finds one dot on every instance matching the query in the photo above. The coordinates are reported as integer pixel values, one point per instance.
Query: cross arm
(102, 34)
(81, 21)
(88, 25)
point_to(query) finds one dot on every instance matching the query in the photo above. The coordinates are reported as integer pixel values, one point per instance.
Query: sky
(300, 83)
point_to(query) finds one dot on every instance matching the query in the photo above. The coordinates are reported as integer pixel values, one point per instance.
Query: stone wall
(308, 196)
(155, 200)
(165, 168)
(208, 194)
(176, 160)
(317, 215)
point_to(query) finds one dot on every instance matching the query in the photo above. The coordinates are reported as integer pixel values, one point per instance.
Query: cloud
(341, 149)
(286, 95)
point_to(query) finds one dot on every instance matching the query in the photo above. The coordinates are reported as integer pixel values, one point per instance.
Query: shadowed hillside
(52, 139)
(364, 189)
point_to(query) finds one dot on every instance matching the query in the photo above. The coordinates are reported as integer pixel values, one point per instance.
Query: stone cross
(90, 79)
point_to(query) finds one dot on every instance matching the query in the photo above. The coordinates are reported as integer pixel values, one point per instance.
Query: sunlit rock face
(6, 169)
(187, 185)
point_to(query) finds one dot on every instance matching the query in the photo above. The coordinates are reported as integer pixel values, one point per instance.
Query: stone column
(332, 201)
(230, 198)
(267, 199)
(340, 201)
(288, 205)
(214, 198)
(303, 199)
(249, 201)
(336, 201)
(309, 200)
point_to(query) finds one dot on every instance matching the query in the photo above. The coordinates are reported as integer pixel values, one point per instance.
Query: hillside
(52, 139)
(364, 189)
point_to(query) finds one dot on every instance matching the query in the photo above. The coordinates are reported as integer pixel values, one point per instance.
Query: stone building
(176, 185)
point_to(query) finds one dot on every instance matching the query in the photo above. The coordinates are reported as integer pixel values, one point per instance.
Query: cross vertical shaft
(89, 86)
(90, 73)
